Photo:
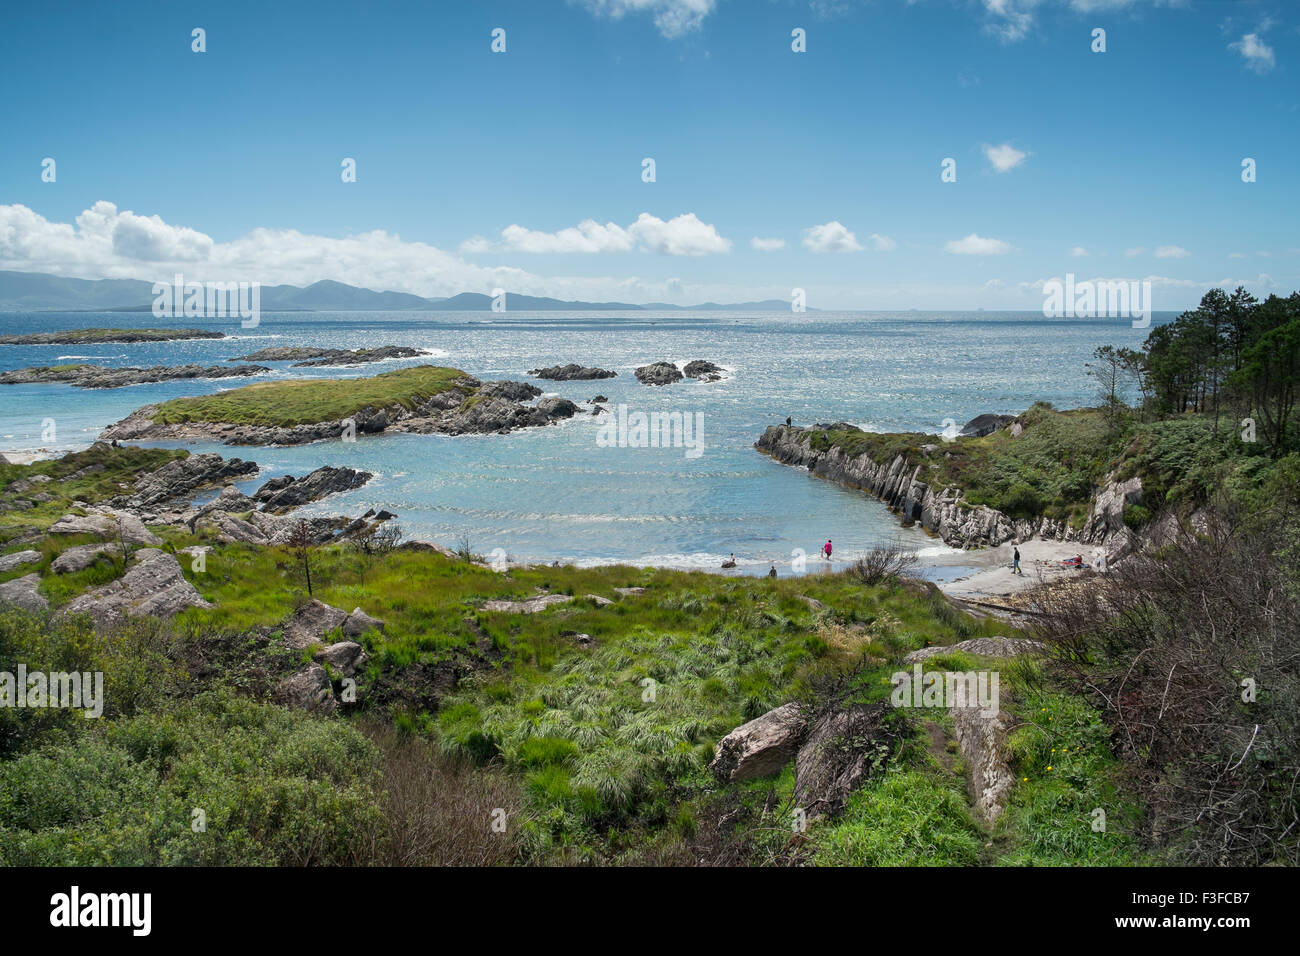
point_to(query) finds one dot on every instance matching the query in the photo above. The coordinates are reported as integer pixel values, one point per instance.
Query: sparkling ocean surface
(555, 493)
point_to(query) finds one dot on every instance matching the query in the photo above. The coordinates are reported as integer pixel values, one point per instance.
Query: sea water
(559, 493)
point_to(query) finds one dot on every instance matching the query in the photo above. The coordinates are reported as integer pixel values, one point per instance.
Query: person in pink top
(826, 549)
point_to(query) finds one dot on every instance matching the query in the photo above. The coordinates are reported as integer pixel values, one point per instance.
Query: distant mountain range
(39, 292)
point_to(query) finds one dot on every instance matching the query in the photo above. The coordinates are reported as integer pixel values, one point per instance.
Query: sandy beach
(993, 577)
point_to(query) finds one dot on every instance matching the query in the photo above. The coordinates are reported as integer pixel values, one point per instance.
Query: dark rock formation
(95, 336)
(286, 493)
(100, 376)
(658, 373)
(571, 373)
(985, 424)
(704, 371)
(179, 479)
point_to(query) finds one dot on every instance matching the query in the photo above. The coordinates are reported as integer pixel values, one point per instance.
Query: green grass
(903, 818)
(90, 476)
(308, 401)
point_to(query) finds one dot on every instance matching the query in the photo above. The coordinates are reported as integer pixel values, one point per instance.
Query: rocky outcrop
(79, 557)
(982, 741)
(899, 482)
(345, 657)
(108, 524)
(571, 373)
(471, 407)
(92, 336)
(308, 690)
(180, 478)
(100, 376)
(530, 606)
(359, 623)
(981, 646)
(985, 424)
(24, 593)
(310, 624)
(761, 747)
(153, 586)
(286, 493)
(486, 415)
(11, 562)
(659, 373)
(360, 356)
(309, 357)
(704, 371)
(842, 747)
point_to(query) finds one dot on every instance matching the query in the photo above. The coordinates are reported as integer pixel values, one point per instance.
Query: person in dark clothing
(1015, 563)
(771, 572)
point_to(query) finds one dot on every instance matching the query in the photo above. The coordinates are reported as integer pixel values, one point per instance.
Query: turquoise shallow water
(556, 493)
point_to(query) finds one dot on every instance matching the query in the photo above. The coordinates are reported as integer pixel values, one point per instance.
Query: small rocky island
(571, 373)
(666, 373)
(102, 376)
(96, 336)
(306, 357)
(424, 399)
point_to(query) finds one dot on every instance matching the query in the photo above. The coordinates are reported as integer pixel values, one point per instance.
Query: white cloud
(976, 245)
(1257, 54)
(1010, 20)
(767, 245)
(1236, 255)
(1078, 252)
(103, 243)
(1172, 252)
(831, 237)
(1135, 251)
(1004, 158)
(673, 17)
(683, 235)
(882, 243)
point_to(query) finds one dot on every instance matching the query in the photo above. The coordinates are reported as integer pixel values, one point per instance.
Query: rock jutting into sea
(100, 376)
(96, 336)
(420, 400)
(571, 373)
(897, 480)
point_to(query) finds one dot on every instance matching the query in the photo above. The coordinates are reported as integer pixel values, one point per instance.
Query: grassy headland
(310, 401)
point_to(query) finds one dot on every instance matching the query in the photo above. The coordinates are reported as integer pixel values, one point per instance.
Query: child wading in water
(1015, 563)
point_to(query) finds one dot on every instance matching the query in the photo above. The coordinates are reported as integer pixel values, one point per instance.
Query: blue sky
(477, 169)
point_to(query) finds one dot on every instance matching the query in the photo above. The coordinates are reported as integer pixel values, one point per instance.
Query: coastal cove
(554, 493)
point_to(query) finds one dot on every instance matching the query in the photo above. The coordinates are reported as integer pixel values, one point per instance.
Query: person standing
(1015, 563)
(826, 549)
